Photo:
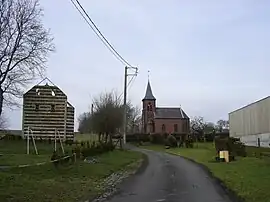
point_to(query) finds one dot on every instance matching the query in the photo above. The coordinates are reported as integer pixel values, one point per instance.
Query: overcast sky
(208, 56)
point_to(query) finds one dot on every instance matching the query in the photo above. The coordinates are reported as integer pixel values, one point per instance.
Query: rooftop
(170, 113)
(148, 94)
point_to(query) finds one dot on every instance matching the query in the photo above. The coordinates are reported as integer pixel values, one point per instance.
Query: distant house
(155, 119)
(46, 111)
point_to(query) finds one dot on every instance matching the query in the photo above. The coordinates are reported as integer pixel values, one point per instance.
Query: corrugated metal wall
(45, 110)
(252, 122)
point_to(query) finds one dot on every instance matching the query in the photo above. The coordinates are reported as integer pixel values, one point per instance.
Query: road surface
(169, 178)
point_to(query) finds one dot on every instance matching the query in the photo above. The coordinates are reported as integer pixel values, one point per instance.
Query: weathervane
(148, 74)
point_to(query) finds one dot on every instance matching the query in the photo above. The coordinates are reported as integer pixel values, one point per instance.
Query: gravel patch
(110, 183)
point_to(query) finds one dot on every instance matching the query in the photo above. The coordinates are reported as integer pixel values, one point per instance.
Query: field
(72, 182)
(249, 177)
(86, 137)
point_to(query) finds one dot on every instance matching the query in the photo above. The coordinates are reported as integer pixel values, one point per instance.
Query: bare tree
(84, 122)
(107, 117)
(3, 122)
(198, 125)
(24, 47)
(222, 124)
(133, 118)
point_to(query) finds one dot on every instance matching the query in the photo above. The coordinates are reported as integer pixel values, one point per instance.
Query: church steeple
(148, 94)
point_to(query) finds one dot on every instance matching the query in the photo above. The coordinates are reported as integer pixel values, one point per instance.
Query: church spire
(148, 94)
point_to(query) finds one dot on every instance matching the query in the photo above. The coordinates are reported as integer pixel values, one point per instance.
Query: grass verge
(248, 177)
(74, 182)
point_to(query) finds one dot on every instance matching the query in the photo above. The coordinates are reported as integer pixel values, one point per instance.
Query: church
(160, 120)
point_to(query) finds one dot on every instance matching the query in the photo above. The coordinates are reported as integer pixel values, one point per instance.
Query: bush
(157, 138)
(69, 142)
(11, 137)
(137, 137)
(88, 144)
(97, 149)
(77, 150)
(233, 145)
(82, 143)
(189, 142)
(209, 137)
(171, 141)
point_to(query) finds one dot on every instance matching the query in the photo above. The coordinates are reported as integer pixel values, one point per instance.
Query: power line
(98, 33)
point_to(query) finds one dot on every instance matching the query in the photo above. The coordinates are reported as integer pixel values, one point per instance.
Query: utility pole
(125, 105)
(125, 100)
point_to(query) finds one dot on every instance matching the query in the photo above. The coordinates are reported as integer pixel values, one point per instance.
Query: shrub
(157, 138)
(97, 149)
(88, 144)
(189, 143)
(82, 143)
(137, 137)
(77, 150)
(69, 142)
(233, 145)
(11, 137)
(171, 141)
(151, 138)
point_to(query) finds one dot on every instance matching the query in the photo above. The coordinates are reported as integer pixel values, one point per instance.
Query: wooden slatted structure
(46, 110)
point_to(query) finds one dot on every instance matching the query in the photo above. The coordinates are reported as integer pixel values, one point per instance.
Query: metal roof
(241, 108)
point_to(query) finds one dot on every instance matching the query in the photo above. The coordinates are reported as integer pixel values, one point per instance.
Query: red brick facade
(175, 126)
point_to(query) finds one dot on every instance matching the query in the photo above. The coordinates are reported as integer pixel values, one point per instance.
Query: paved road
(169, 178)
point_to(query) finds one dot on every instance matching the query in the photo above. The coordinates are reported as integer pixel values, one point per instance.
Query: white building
(252, 123)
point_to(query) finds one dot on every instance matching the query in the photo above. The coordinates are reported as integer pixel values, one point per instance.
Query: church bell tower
(149, 108)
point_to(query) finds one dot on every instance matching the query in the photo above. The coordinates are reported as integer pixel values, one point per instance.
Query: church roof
(148, 94)
(170, 113)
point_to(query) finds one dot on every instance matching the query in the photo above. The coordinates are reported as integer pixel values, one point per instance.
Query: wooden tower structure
(46, 111)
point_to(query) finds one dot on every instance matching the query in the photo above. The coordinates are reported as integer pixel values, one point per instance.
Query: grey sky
(209, 56)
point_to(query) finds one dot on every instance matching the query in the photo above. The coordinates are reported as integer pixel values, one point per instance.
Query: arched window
(175, 126)
(149, 107)
(163, 128)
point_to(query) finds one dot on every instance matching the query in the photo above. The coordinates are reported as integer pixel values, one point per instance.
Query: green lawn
(74, 182)
(249, 177)
(14, 152)
(85, 137)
